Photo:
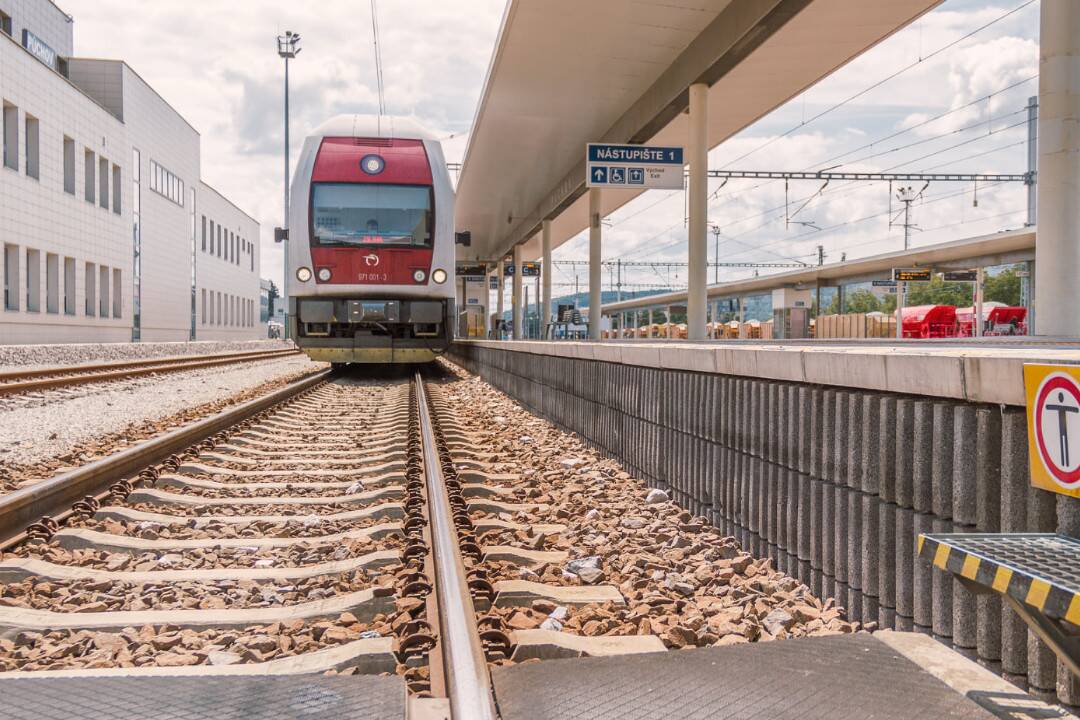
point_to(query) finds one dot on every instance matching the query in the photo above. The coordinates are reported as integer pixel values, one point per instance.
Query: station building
(108, 232)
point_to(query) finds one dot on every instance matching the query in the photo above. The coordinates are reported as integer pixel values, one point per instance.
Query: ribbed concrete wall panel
(833, 484)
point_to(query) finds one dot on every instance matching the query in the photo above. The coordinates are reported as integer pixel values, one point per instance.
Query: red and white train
(371, 243)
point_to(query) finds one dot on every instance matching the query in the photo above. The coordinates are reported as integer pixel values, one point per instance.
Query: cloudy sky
(963, 74)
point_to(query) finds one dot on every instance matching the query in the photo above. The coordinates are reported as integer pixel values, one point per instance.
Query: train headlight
(324, 274)
(439, 276)
(303, 274)
(419, 276)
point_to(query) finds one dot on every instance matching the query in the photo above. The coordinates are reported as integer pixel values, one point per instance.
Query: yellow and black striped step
(1039, 569)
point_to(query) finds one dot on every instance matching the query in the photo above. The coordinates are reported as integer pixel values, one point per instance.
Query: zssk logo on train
(1054, 427)
(371, 260)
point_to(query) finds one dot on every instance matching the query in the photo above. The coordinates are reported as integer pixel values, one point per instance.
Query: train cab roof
(374, 126)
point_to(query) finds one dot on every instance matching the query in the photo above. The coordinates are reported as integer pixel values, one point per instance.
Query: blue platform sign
(636, 167)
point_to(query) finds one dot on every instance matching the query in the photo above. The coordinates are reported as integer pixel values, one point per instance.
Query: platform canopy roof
(566, 72)
(1000, 248)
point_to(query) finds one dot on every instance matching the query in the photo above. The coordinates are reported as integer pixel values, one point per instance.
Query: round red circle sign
(1057, 428)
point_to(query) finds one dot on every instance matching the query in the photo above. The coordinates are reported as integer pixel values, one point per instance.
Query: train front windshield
(348, 214)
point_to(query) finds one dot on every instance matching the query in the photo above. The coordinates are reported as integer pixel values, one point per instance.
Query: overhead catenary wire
(378, 58)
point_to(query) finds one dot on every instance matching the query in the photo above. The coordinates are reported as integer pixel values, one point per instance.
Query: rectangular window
(11, 277)
(117, 293)
(11, 136)
(372, 215)
(204, 306)
(52, 283)
(166, 184)
(103, 292)
(5, 23)
(33, 148)
(69, 166)
(219, 240)
(33, 280)
(252, 257)
(204, 236)
(226, 246)
(116, 194)
(103, 182)
(69, 286)
(89, 171)
(136, 245)
(91, 289)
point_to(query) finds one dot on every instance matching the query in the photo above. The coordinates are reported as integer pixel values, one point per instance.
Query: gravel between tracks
(39, 437)
(681, 578)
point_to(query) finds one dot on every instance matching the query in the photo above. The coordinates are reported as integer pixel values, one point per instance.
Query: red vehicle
(998, 320)
(929, 321)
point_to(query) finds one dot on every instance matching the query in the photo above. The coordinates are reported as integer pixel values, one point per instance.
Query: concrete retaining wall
(833, 483)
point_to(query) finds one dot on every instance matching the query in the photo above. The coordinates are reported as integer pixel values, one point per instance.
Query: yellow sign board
(1053, 421)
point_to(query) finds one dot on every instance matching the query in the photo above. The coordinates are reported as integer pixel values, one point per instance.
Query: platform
(987, 371)
(267, 697)
(834, 678)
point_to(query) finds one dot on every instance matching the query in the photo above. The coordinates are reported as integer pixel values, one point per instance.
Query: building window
(11, 277)
(104, 296)
(164, 183)
(69, 166)
(33, 280)
(33, 151)
(103, 182)
(89, 170)
(116, 194)
(219, 240)
(91, 289)
(136, 245)
(11, 136)
(204, 233)
(194, 258)
(204, 306)
(52, 284)
(5, 23)
(117, 293)
(69, 286)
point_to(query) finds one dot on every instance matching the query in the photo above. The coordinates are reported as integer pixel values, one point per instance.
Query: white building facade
(108, 233)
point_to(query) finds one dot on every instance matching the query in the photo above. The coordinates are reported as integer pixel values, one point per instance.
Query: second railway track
(38, 379)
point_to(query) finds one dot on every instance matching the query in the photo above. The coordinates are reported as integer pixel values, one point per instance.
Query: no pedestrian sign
(1053, 415)
(633, 167)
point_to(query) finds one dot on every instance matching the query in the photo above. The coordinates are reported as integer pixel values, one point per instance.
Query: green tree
(273, 294)
(1004, 287)
(861, 301)
(939, 292)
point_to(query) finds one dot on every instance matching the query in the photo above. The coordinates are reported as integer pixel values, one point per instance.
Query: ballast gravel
(39, 438)
(682, 579)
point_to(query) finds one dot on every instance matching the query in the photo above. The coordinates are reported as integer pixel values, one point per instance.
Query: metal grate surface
(1040, 569)
(853, 677)
(1053, 558)
(311, 697)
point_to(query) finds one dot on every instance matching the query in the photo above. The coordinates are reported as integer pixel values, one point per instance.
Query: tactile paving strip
(288, 697)
(851, 677)
(1040, 569)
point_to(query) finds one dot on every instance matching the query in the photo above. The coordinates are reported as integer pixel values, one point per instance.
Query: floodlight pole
(287, 49)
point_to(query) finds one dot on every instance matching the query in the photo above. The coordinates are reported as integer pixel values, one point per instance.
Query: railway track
(337, 526)
(33, 380)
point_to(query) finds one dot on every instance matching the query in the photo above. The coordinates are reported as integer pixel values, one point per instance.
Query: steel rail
(468, 683)
(48, 378)
(53, 497)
